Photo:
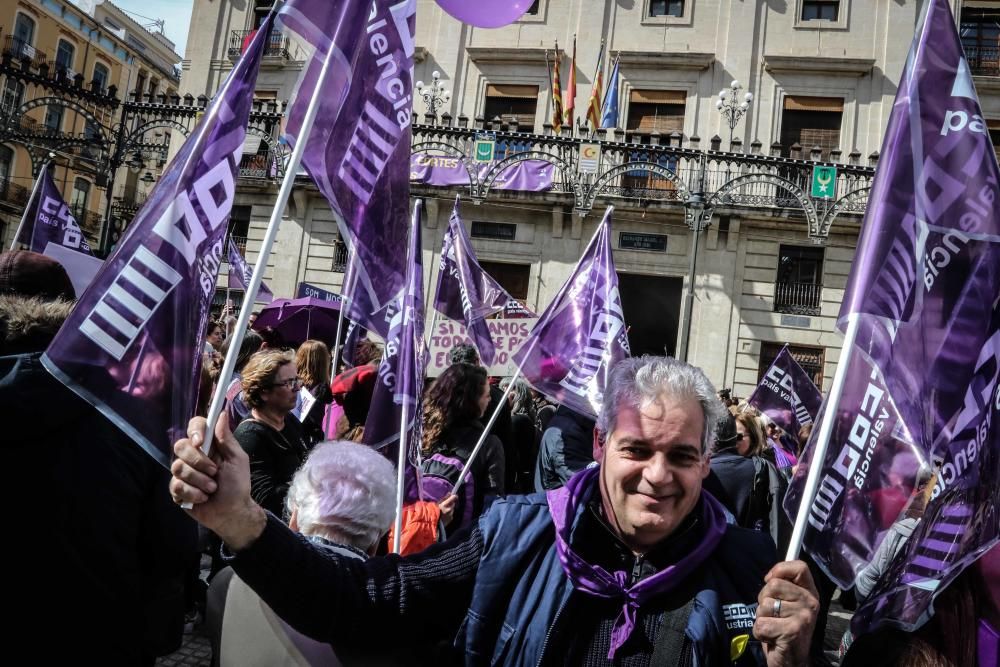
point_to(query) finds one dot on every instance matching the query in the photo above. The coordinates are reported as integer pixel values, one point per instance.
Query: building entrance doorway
(652, 307)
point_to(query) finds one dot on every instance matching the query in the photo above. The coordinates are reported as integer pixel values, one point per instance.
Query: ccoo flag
(132, 347)
(579, 338)
(919, 409)
(359, 148)
(240, 272)
(787, 395)
(47, 219)
(465, 292)
(401, 371)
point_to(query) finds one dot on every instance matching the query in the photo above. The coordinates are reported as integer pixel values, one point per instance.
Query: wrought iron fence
(276, 47)
(340, 257)
(797, 298)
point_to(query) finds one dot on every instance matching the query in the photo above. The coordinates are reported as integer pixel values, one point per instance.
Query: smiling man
(630, 563)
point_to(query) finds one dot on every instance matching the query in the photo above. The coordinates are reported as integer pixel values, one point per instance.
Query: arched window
(64, 57)
(24, 30)
(101, 76)
(6, 169)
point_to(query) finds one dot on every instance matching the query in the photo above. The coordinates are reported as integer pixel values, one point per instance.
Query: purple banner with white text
(443, 170)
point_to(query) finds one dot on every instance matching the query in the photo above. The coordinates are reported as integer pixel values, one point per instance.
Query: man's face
(652, 467)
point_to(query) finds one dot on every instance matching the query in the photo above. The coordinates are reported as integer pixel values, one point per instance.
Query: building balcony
(262, 166)
(276, 47)
(797, 298)
(983, 60)
(340, 257)
(14, 196)
(18, 49)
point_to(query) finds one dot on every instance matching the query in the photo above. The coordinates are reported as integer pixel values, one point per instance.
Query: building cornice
(826, 65)
(504, 56)
(689, 60)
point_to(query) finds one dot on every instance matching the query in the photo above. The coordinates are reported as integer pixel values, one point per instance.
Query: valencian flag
(787, 394)
(133, 345)
(579, 338)
(465, 292)
(555, 85)
(609, 113)
(570, 104)
(401, 371)
(47, 219)
(594, 106)
(359, 149)
(920, 402)
(240, 272)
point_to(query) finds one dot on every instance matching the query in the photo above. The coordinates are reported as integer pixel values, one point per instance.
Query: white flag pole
(404, 412)
(31, 199)
(287, 183)
(822, 442)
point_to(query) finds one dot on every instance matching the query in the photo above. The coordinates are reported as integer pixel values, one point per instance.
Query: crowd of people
(649, 535)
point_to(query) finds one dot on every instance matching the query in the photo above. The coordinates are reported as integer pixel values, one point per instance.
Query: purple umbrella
(298, 320)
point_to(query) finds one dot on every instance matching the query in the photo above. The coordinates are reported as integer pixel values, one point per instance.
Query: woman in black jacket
(313, 363)
(453, 407)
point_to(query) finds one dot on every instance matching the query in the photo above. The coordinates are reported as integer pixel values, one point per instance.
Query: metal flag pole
(822, 442)
(31, 201)
(287, 183)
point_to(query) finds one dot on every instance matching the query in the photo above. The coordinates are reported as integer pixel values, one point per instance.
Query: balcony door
(798, 285)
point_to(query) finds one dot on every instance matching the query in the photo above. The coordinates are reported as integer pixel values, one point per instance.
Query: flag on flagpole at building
(47, 219)
(609, 112)
(133, 345)
(787, 394)
(240, 272)
(465, 292)
(358, 151)
(569, 354)
(596, 95)
(555, 88)
(401, 370)
(570, 104)
(918, 414)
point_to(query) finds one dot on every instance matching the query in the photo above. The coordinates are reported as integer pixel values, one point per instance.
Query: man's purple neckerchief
(595, 580)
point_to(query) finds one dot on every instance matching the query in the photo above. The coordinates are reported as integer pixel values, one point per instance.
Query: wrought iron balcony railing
(340, 257)
(14, 195)
(983, 60)
(21, 50)
(797, 298)
(276, 47)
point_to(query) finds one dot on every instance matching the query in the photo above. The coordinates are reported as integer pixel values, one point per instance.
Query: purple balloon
(486, 13)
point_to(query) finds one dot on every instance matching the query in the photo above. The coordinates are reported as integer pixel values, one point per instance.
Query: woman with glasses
(272, 436)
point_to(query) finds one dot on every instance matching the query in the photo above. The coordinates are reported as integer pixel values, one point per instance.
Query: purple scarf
(594, 580)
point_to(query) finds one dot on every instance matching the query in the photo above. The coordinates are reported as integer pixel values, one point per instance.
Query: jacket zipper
(548, 635)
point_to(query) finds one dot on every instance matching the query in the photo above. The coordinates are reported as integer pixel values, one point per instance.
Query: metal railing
(276, 47)
(260, 166)
(14, 195)
(797, 298)
(983, 60)
(340, 257)
(19, 49)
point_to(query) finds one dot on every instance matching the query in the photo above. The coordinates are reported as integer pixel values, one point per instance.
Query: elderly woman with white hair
(342, 500)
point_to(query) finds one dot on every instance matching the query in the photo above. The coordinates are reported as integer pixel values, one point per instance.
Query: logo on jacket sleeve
(739, 616)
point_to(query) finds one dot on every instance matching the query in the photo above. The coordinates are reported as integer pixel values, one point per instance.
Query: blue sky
(175, 13)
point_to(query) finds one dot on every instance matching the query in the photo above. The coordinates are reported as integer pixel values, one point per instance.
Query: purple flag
(240, 273)
(465, 292)
(47, 219)
(133, 345)
(581, 335)
(922, 297)
(787, 395)
(401, 371)
(357, 153)
(444, 170)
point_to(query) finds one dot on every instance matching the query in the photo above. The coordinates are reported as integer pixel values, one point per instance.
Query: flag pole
(287, 183)
(31, 200)
(343, 302)
(822, 442)
(404, 411)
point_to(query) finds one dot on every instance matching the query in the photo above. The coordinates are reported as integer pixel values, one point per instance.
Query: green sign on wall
(824, 181)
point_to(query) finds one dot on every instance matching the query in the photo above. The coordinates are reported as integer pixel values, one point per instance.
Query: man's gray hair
(639, 380)
(344, 491)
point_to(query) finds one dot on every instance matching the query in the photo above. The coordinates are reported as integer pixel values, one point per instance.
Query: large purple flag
(787, 394)
(358, 150)
(581, 335)
(240, 273)
(47, 219)
(401, 371)
(133, 345)
(465, 292)
(923, 299)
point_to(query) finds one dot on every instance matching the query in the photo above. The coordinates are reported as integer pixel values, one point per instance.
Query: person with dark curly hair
(453, 407)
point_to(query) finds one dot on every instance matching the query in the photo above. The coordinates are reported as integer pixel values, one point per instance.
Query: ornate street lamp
(435, 96)
(733, 106)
